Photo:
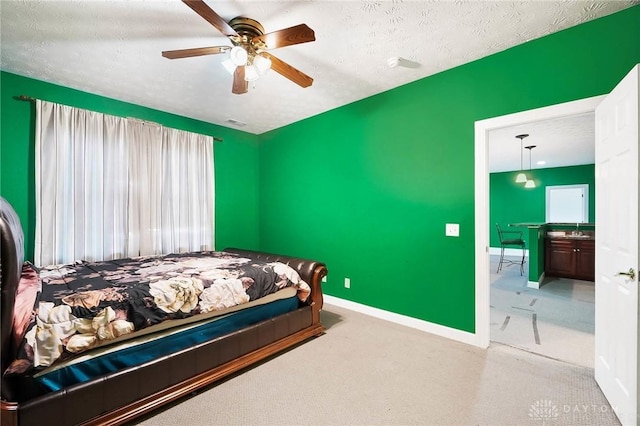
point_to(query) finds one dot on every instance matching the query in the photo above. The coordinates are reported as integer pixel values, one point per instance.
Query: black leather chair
(511, 239)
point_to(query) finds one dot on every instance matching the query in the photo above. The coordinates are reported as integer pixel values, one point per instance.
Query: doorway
(557, 319)
(482, 136)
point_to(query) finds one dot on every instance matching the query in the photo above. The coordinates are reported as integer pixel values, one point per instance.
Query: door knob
(631, 274)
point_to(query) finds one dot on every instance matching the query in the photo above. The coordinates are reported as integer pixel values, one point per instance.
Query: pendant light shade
(521, 178)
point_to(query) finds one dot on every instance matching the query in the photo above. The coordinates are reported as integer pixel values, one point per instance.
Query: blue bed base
(139, 354)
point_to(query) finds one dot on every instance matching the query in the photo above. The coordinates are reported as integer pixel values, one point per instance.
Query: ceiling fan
(248, 57)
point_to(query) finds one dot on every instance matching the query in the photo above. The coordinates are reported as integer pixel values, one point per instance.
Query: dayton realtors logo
(544, 410)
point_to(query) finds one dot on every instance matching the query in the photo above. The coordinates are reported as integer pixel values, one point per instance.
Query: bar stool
(513, 239)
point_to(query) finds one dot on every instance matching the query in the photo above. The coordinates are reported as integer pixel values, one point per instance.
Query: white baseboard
(508, 252)
(536, 284)
(429, 327)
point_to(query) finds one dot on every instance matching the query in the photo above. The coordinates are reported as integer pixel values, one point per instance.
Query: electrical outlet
(347, 283)
(452, 230)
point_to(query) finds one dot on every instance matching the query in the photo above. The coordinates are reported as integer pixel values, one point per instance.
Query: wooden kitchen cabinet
(570, 258)
(586, 260)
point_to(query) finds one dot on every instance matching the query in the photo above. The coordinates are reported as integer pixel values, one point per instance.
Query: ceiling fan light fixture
(251, 73)
(229, 66)
(261, 64)
(250, 44)
(238, 56)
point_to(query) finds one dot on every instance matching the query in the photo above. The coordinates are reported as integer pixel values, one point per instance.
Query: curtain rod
(30, 99)
(153, 123)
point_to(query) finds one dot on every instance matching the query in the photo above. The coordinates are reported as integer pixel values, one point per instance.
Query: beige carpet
(556, 320)
(366, 371)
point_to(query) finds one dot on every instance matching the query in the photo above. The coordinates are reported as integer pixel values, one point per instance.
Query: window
(567, 204)
(109, 187)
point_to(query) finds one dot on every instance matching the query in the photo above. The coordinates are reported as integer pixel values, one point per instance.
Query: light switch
(452, 230)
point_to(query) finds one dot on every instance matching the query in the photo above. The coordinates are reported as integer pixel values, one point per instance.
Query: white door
(616, 306)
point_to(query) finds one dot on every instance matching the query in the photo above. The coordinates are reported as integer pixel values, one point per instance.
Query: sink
(556, 234)
(573, 235)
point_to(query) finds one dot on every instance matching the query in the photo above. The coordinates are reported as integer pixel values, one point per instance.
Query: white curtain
(109, 187)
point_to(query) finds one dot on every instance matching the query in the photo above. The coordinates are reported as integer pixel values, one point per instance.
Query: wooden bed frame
(122, 396)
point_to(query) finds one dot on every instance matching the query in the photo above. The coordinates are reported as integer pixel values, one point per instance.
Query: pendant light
(530, 183)
(521, 178)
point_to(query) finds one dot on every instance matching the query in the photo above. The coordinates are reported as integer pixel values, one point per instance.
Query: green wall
(511, 202)
(236, 158)
(369, 187)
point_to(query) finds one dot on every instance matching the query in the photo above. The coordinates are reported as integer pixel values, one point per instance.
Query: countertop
(572, 237)
(550, 224)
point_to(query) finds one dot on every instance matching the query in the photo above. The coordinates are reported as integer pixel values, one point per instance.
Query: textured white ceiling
(112, 48)
(565, 141)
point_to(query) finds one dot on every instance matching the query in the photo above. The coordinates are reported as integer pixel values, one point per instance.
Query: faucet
(577, 231)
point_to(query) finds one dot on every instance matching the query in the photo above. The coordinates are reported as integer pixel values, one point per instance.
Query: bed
(131, 335)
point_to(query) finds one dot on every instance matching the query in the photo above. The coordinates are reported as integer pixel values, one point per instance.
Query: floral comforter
(84, 305)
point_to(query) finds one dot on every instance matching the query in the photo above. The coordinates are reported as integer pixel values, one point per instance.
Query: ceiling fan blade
(240, 85)
(288, 71)
(197, 51)
(213, 18)
(286, 37)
